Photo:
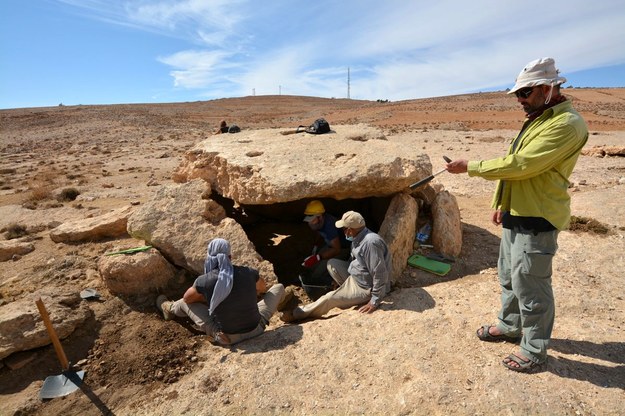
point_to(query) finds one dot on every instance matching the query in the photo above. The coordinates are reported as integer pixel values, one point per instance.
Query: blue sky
(152, 51)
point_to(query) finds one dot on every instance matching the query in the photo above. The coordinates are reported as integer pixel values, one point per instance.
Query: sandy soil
(417, 355)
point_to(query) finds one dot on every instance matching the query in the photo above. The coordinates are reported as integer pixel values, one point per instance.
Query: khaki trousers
(347, 295)
(527, 303)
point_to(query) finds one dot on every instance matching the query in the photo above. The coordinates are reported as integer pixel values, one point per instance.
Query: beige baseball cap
(351, 219)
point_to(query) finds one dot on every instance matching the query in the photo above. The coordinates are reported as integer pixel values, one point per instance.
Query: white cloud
(195, 69)
(396, 49)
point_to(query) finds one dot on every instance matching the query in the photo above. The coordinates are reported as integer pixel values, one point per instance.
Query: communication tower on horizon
(348, 86)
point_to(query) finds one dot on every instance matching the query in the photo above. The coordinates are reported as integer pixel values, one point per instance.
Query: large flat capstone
(267, 167)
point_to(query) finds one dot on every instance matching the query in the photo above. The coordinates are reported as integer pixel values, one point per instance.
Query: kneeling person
(223, 301)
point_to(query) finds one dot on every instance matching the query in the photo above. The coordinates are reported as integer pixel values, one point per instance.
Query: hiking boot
(289, 294)
(164, 306)
(221, 338)
(287, 316)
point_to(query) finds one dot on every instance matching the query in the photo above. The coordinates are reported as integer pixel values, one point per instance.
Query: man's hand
(310, 261)
(261, 286)
(496, 219)
(457, 166)
(368, 308)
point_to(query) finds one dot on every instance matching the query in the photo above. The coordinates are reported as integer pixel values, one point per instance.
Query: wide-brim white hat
(538, 72)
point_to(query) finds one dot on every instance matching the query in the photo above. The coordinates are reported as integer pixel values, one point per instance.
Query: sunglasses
(524, 92)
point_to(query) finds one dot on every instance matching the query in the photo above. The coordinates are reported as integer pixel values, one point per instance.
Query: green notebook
(130, 250)
(429, 265)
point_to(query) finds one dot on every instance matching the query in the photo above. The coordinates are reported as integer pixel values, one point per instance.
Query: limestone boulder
(398, 230)
(141, 272)
(447, 227)
(180, 221)
(112, 224)
(21, 326)
(602, 151)
(266, 167)
(10, 248)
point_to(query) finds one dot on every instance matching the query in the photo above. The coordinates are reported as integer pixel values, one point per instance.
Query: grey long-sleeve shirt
(371, 264)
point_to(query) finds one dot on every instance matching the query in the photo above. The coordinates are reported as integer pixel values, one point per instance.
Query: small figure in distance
(223, 127)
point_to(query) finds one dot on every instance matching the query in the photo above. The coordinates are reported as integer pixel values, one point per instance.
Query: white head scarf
(218, 262)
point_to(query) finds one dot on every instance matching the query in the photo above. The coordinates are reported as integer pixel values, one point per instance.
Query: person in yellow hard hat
(329, 243)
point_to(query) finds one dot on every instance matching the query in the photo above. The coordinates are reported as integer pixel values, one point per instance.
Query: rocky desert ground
(417, 355)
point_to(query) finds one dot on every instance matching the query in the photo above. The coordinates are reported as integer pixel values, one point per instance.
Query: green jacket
(534, 176)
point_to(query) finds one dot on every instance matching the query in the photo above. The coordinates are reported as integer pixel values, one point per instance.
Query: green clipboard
(129, 251)
(429, 265)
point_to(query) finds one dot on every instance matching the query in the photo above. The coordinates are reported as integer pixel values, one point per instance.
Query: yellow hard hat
(314, 207)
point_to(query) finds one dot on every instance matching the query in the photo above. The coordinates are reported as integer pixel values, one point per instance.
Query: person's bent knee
(278, 289)
(192, 296)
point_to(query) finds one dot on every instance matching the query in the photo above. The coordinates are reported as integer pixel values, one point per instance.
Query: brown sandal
(488, 337)
(524, 366)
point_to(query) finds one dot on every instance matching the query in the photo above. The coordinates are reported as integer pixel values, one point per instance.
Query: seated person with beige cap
(363, 281)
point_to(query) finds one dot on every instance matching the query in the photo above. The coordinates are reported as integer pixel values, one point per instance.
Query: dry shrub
(42, 186)
(15, 230)
(492, 139)
(39, 192)
(32, 205)
(68, 194)
(585, 224)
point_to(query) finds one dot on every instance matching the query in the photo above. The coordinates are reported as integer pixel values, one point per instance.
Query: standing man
(329, 243)
(364, 280)
(222, 301)
(532, 204)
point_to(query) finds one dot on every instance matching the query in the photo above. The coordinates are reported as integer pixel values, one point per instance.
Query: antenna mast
(348, 85)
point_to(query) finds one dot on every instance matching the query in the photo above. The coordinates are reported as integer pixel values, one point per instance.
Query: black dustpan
(67, 382)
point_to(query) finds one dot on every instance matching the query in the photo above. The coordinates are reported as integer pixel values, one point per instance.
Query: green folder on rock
(429, 265)
(129, 251)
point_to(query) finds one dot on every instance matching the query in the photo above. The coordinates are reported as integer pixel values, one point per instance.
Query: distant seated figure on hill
(223, 301)
(223, 127)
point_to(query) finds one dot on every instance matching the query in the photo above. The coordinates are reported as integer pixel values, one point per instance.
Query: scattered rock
(108, 225)
(179, 223)
(318, 167)
(137, 273)
(21, 326)
(398, 230)
(447, 228)
(11, 248)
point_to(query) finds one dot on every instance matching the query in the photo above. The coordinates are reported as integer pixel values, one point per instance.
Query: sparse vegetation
(15, 230)
(585, 224)
(68, 194)
(40, 192)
